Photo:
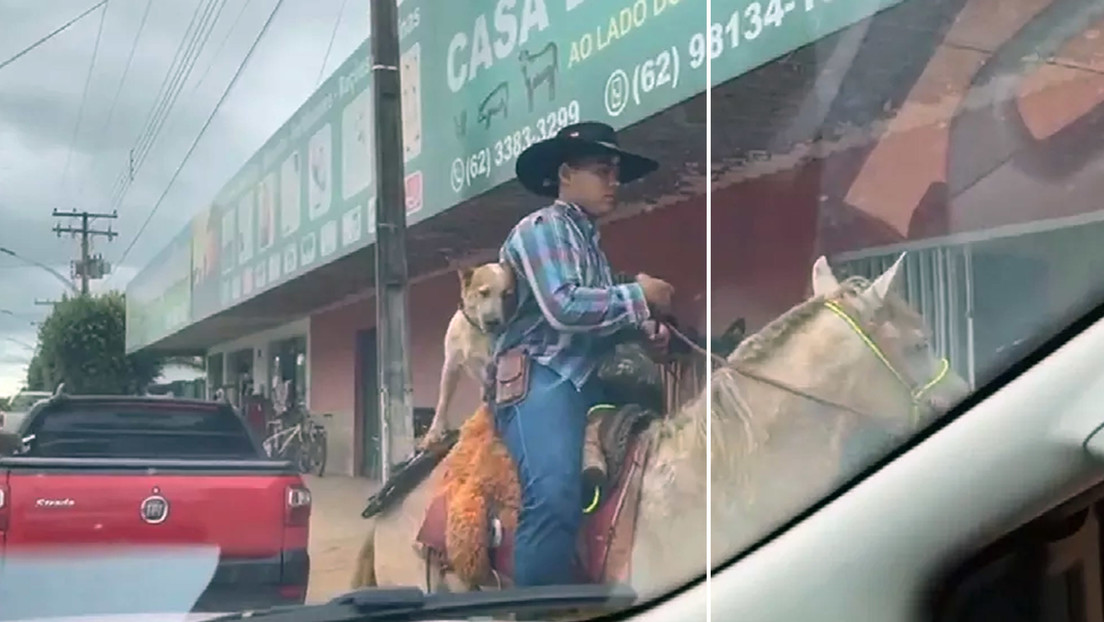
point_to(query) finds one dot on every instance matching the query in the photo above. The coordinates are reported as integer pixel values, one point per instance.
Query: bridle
(917, 391)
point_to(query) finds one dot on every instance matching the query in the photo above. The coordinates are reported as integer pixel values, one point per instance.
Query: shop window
(287, 370)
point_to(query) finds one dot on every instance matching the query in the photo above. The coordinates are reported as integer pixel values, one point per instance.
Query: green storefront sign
(481, 81)
(513, 72)
(158, 300)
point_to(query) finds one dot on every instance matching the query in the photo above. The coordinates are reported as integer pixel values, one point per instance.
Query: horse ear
(879, 289)
(824, 282)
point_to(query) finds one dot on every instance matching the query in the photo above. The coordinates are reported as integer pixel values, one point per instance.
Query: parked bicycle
(297, 437)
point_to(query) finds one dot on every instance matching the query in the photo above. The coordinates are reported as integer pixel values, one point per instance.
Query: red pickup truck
(133, 471)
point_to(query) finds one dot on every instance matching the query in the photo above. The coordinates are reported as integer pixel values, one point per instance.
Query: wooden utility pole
(88, 267)
(392, 334)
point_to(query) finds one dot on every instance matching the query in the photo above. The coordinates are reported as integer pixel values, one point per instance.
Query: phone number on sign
(754, 21)
(485, 162)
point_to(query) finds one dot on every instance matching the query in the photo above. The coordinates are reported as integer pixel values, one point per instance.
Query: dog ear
(465, 275)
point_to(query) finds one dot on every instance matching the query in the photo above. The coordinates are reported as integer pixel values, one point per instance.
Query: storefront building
(280, 285)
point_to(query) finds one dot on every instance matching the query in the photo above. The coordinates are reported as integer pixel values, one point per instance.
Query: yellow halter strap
(915, 394)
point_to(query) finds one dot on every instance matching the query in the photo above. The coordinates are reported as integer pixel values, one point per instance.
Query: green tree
(82, 343)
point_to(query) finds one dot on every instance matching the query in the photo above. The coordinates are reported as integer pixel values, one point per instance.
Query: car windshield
(481, 283)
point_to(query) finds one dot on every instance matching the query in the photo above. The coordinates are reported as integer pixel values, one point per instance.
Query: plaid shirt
(568, 304)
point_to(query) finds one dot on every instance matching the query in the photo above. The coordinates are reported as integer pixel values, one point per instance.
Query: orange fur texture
(479, 474)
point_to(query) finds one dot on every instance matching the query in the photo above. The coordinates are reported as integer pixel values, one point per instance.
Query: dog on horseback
(486, 294)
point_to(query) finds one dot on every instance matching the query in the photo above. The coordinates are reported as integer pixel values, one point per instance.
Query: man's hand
(657, 339)
(657, 292)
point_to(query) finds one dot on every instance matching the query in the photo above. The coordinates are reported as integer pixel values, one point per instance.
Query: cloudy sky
(47, 161)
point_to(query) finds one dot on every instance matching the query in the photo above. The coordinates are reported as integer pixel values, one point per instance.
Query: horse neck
(815, 359)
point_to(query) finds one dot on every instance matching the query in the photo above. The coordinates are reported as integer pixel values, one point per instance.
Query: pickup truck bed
(90, 475)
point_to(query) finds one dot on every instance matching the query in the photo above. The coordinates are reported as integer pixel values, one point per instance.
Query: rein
(778, 384)
(914, 394)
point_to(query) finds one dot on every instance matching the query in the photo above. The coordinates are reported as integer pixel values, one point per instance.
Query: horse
(783, 408)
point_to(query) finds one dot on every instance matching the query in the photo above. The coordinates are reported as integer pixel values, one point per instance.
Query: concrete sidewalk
(337, 531)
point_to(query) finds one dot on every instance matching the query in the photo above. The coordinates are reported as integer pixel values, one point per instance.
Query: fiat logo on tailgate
(155, 508)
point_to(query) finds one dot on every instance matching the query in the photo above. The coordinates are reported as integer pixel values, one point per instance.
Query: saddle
(469, 526)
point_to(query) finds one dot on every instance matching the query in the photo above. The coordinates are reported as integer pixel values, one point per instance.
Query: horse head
(882, 350)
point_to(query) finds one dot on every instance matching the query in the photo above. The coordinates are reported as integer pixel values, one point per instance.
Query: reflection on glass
(953, 145)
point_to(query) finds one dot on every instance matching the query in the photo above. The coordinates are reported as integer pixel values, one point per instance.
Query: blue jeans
(544, 434)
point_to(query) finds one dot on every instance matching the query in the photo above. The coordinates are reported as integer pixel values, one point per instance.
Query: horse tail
(365, 574)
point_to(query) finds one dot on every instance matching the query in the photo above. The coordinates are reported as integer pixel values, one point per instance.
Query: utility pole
(88, 267)
(396, 398)
(45, 303)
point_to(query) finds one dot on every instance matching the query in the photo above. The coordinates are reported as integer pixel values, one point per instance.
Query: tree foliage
(82, 343)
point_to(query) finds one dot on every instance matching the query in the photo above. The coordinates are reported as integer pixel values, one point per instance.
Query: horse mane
(725, 393)
(765, 341)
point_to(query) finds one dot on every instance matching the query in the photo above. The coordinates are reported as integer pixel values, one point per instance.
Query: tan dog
(486, 293)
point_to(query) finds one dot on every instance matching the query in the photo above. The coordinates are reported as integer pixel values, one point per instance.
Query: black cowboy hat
(538, 166)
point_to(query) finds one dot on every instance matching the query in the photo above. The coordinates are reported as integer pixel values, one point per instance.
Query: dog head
(486, 295)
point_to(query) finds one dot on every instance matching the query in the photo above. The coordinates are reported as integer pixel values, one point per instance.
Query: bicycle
(303, 442)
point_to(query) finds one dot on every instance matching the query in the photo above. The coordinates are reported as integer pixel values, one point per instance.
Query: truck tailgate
(240, 511)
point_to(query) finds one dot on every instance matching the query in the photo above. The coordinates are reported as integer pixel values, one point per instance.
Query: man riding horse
(570, 313)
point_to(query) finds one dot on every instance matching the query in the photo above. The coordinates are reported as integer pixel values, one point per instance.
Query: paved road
(337, 531)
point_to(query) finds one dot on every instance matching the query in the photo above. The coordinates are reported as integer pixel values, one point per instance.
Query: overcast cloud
(40, 97)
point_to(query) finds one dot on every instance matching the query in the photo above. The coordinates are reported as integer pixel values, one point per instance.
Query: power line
(199, 43)
(202, 130)
(84, 99)
(122, 80)
(175, 82)
(191, 55)
(221, 45)
(61, 28)
(163, 94)
(329, 46)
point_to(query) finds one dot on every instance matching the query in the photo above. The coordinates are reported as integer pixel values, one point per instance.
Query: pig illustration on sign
(497, 102)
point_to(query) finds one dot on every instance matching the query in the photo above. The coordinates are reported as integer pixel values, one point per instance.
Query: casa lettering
(511, 25)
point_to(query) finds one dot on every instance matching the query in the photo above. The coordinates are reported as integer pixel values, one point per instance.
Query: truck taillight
(298, 506)
(5, 508)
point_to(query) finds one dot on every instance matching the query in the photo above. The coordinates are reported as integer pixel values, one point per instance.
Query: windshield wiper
(386, 604)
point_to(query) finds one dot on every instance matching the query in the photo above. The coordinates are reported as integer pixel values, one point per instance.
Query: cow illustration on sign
(540, 68)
